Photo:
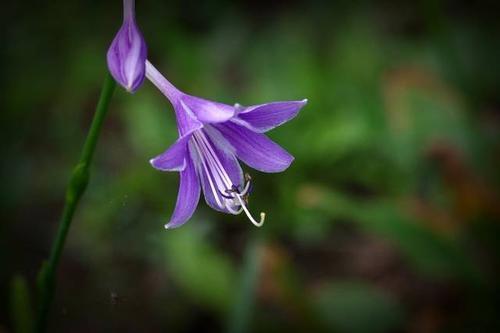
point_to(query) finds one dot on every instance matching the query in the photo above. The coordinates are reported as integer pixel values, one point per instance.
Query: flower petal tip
(286, 164)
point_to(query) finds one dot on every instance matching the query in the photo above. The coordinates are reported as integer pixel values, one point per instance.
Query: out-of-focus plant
(21, 306)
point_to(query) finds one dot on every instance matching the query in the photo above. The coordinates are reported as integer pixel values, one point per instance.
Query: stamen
(203, 162)
(213, 157)
(233, 211)
(226, 194)
(246, 188)
(255, 223)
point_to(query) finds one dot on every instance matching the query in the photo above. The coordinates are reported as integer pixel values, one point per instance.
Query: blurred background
(387, 221)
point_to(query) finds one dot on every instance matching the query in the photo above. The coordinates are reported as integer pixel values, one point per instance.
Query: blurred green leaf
(20, 305)
(426, 250)
(204, 272)
(150, 122)
(243, 305)
(357, 307)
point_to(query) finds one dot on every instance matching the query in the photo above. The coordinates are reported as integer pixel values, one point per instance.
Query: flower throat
(227, 195)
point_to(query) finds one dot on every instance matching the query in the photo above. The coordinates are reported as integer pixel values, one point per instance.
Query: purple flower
(212, 137)
(127, 53)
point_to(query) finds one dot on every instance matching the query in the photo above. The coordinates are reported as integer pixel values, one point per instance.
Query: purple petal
(210, 197)
(255, 149)
(208, 192)
(127, 55)
(187, 122)
(264, 117)
(188, 197)
(206, 111)
(174, 158)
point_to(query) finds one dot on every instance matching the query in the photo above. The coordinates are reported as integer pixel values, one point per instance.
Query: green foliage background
(387, 221)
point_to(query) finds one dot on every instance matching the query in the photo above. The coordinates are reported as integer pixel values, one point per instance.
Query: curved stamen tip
(255, 223)
(262, 219)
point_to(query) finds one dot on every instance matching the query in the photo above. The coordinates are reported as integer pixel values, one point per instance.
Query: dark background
(387, 221)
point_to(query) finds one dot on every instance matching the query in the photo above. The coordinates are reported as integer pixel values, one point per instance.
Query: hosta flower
(212, 138)
(127, 54)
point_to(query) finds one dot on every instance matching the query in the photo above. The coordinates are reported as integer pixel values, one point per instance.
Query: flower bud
(127, 54)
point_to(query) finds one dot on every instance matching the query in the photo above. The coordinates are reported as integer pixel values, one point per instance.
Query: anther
(225, 195)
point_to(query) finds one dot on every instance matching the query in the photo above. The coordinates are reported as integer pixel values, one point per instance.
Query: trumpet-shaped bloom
(127, 54)
(212, 138)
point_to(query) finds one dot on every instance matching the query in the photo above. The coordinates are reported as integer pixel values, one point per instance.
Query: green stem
(74, 191)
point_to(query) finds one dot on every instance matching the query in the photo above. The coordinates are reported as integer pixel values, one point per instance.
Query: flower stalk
(75, 189)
